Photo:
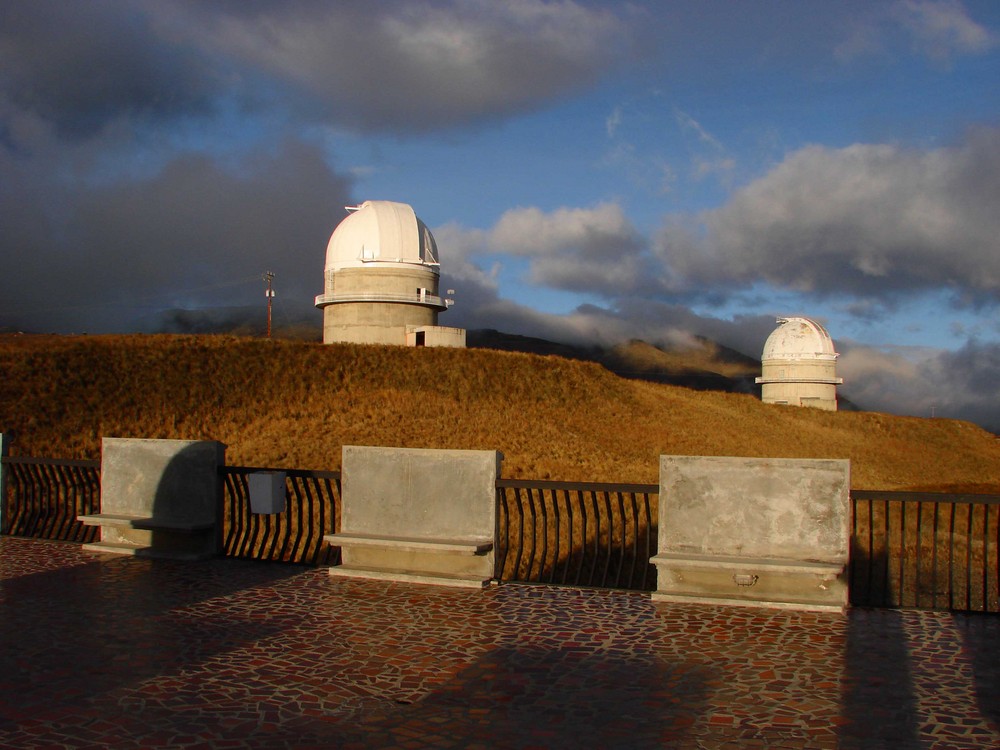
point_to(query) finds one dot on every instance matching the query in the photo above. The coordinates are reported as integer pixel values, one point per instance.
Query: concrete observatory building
(381, 280)
(799, 366)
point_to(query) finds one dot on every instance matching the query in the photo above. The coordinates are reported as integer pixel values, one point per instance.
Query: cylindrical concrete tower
(381, 278)
(799, 366)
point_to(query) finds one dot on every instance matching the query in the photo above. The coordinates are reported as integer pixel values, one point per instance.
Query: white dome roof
(799, 338)
(379, 233)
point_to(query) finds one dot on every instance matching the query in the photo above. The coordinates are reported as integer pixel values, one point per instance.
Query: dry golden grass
(294, 404)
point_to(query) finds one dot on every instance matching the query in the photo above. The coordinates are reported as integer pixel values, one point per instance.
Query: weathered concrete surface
(159, 498)
(752, 530)
(417, 514)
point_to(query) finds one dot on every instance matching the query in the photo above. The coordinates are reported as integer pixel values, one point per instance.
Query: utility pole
(268, 277)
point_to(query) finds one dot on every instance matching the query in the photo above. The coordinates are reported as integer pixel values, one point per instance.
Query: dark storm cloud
(961, 384)
(192, 235)
(411, 66)
(80, 65)
(395, 66)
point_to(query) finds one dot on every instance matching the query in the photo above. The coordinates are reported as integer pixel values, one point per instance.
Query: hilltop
(294, 404)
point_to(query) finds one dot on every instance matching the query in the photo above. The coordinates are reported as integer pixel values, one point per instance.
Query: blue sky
(592, 171)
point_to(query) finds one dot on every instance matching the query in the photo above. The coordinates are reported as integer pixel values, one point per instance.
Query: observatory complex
(799, 366)
(381, 280)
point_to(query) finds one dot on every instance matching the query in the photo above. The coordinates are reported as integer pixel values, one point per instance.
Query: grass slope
(294, 404)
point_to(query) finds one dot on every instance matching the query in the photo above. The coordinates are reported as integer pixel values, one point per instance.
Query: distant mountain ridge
(705, 366)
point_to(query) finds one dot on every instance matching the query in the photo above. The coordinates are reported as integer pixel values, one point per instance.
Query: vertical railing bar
(228, 504)
(250, 521)
(295, 494)
(609, 543)
(271, 526)
(12, 512)
(648, 554)
(240, 521)
(60, 496)
(545, 535)
(583, 536)
(635, 539)
(37, 500)
(534, 536)
(571, 530)
(968, 557)
(42, 507)
(70, 504)
(996, 553)
(951, 558)
(56, 496)
(871, 550)
(502, 532)
(48, 502)
(918, 578)
(986, 558)
(521, 533)
(934, 557)
(78, 502)
(324, 489)
(597, 536)
(305, 548)
(902, 553)
(282, 524)
(621, 546)
(28, 490)
(888, 558)
(554, 496)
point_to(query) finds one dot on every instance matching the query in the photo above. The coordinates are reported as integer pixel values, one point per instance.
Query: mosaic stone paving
(103, 651)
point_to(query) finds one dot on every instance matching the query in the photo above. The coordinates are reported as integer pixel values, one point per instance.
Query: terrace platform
(100, 650)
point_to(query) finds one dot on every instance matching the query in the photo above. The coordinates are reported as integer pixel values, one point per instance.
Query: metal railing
(312, 509)
(579, 534)
(919, 550)
(925, 550)
(45, 495)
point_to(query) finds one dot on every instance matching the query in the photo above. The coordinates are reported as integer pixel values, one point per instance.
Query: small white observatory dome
(381, 280)
(799, 338)
(798, 366)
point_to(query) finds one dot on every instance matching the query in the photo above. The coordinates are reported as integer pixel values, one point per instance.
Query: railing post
(4, 450)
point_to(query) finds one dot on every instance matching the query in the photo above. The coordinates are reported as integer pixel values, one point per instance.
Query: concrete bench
(755, 581)
(159, 498)
(143, 522)
(417, 515)
(466, 563)
(413, 544)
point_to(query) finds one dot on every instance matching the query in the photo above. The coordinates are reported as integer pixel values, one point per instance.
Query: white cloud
(613, 121)
(866, 220)
(937, 29)
(942, 29)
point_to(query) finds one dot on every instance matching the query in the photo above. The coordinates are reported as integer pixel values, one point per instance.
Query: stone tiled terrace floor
(102, 651)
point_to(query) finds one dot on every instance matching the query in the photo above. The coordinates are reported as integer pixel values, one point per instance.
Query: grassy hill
(294, 404)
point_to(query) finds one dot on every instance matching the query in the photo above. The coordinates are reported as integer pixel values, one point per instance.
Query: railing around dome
(430, 300)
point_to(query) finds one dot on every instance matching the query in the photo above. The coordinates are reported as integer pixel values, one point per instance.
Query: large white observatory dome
(379, 232)
(799, 366)
(381, 280)
(799, 338)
